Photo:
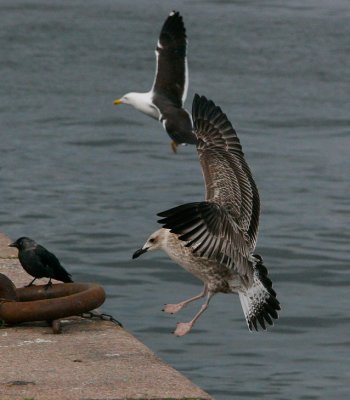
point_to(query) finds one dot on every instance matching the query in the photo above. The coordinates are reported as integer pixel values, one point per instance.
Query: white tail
(259, 301)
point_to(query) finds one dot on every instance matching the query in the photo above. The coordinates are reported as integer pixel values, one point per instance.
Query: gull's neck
(143, 102)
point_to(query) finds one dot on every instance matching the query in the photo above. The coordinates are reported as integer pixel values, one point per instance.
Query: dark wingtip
(203, 108)
(174, 24)
(197, 102)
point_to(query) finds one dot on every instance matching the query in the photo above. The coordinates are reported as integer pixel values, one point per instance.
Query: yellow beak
(118, 101)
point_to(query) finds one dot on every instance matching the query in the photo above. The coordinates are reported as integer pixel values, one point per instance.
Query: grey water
(86, 179)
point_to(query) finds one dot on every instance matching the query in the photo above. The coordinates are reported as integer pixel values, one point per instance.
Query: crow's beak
(13, 244)
(139, 252)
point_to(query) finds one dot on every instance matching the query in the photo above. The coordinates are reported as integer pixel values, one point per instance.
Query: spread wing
(171, 79)
(224, 227)
(228, 179)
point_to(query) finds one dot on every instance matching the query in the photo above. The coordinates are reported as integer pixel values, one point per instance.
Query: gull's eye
(152, 240)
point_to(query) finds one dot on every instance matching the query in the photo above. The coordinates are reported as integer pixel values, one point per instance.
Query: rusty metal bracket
(39, 303)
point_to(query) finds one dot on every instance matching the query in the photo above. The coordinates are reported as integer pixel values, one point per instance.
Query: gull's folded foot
(173, 145)
(172, 308)
(182, 328)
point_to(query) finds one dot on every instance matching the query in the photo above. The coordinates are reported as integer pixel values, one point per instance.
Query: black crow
(39, 262)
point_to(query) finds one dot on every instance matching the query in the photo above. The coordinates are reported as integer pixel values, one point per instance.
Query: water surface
(86, 179)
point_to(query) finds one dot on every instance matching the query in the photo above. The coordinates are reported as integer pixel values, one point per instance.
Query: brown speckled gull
(215, 239)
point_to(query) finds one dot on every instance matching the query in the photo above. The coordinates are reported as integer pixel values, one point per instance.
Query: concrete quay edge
(90, 360)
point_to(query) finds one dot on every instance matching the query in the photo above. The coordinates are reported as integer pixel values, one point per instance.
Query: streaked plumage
(215, 239)
(39, 262)
(166, 99)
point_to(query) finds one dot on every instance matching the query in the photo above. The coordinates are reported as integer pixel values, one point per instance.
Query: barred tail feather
(259, 301)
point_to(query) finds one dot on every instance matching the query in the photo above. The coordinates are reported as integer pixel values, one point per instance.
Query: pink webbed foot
(182, 328)
(172, 308)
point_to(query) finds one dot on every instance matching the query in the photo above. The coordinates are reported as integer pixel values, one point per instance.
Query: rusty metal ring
(39, 303)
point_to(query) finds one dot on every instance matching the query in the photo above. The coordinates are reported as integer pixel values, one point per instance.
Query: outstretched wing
(171, 79)
(228, 179)
(224, 227)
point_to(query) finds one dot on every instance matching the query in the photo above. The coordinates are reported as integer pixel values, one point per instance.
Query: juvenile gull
(39, 262)
(215, 239)
(166, 98)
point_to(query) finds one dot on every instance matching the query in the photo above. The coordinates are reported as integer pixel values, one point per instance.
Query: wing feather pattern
(224, 226)
(171, 81)
(170, 85)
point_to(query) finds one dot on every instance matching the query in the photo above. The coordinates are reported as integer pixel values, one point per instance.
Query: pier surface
(89, 360)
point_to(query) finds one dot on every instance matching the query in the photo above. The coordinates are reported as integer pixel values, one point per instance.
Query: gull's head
(128, 98)
(154, 242)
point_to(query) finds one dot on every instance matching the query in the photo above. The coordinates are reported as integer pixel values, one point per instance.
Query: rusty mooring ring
(39, 303)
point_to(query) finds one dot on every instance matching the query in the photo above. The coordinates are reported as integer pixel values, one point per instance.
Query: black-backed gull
(166, 98)
(215, 239)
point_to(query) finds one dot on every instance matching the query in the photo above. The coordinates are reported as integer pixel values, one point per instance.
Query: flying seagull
(39, 262)
(166, 98)
(215, 239)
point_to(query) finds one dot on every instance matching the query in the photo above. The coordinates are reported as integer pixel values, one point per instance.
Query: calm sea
(86, 179)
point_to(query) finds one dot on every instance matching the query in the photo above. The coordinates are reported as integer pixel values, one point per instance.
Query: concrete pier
(89, 360)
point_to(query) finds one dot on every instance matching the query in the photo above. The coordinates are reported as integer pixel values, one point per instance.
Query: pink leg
(174, 308)
(184, 327)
